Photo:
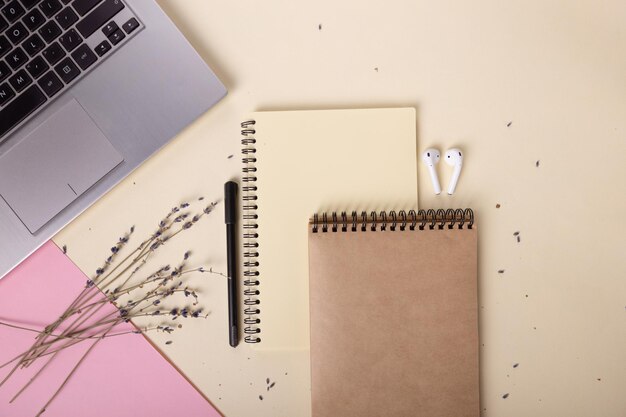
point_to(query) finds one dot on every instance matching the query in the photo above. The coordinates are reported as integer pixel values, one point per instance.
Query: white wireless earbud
(431, 158)
(454, 157)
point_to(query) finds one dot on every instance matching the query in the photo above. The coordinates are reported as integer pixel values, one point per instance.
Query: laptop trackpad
(54, 165)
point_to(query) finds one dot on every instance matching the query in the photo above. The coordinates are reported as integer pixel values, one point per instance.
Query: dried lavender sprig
(143, 254)
(186, 225)
(77, 323)
(113, 322)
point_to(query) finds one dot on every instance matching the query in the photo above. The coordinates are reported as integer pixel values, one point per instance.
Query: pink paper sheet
(123, 376)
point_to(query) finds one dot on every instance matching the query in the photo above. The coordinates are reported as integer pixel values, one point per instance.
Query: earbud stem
(435, 179)
(455, 179)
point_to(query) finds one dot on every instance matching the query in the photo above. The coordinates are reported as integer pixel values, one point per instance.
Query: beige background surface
(512, 83)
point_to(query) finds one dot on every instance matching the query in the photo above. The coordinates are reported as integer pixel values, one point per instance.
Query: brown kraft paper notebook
(394, 318)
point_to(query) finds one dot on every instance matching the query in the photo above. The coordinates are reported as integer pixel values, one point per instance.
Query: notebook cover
(338, 167)
(394, 327)
(123, 376)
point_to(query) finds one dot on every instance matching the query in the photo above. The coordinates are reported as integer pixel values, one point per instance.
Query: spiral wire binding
(250, 234)
(392, 221)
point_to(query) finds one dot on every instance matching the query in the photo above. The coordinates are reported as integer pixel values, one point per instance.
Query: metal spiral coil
(391, 221)
(251, 273)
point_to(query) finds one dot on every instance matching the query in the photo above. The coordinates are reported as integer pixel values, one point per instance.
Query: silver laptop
(89, 89)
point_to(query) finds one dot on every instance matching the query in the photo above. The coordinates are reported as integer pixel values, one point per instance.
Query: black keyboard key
(29, 4)
(84, 57)
(67, 70)
(70, 40)
(131, 25)
(53, 53)
(16, 58)
(6, 94)
(3, 24)
(50, 7)
(50, 83)
(20, 80)
(109, 28)
(13, 11)
(117, 37)
(34, 19)
(36, 67)
(5, 46)
(4, 71)
(99, 16)
(66, 2)
(17, 33)
(66, 18)
(17, 110)
(103, 48)
(50, 31)
(83, 6)
(33, 45)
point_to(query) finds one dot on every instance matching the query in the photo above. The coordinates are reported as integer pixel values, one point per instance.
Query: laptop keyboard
(48, 45)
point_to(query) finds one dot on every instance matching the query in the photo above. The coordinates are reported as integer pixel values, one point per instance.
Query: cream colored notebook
(300, 162)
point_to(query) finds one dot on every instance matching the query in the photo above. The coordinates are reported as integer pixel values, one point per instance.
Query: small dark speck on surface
(516, 234)
(134, 183)
(505, 396)
(498, 205)
(537, 164)
(267, 380)
(534, 328)
(169, 342)
(64, 249)
(500, 271)
(509, 124)
(285, 373)
(515, 365)
(599, 379)
(526, 295)
(230, 156)
(272, 385)
(261, 397)
(376, 69)
(319, 27)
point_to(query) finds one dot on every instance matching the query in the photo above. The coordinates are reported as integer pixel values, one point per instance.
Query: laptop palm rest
(54, 165)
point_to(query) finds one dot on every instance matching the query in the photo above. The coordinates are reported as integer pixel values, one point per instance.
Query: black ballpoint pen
(230, 198)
